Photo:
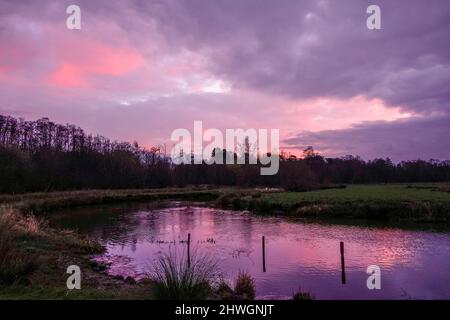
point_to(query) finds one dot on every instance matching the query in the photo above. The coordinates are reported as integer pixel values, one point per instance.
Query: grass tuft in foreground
(176, 280)
(300, 295)
(245, 286)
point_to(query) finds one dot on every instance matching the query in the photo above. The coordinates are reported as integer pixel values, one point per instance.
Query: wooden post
(342, 263)
(264, 253)
(189, 250)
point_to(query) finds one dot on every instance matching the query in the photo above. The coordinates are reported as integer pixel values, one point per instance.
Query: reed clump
(245, 286)
(177, 279)
(301, 295)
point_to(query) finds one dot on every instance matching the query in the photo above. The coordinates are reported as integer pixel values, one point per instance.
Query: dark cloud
(290, 51)
(300, 49)
(407, 139)
(322, 48)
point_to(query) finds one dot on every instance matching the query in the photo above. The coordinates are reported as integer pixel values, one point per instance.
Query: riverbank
(414, 203)
(418, 203)
(33, 256)
(42, 202)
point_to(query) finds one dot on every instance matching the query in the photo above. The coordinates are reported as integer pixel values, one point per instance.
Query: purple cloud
(407, 139)
(139, 69)
(322, 48)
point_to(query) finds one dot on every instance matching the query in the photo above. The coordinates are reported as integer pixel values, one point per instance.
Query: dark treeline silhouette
(44, 156)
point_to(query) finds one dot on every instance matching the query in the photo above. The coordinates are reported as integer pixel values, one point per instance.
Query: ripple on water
(298, 255)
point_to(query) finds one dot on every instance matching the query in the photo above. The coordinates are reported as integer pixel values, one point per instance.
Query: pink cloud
(136, 73)
(13, 56)
(92, 59)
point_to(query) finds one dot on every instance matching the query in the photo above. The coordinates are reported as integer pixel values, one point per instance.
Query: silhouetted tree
(42, 156)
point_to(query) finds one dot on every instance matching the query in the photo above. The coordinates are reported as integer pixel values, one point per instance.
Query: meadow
(385, 192)
(386, 202)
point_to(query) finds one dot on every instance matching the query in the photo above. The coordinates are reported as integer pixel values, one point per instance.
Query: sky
(137, 70)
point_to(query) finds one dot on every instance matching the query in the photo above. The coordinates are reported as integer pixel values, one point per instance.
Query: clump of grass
(300, 295)
(7, 218)
(31, 225)
(245, 286)
(224, 291)
(444, 187)
(19, 224)
(176, 280)
(15, 265)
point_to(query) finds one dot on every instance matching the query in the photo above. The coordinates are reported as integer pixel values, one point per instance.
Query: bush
(226, 199)
(175, 280)
(245, 286)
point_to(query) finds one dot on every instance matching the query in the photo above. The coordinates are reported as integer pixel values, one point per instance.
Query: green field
(387, 202)
(389, 192)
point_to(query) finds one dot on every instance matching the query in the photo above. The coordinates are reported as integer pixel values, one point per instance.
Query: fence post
(342, 264)
(189, 250)
(264, 253)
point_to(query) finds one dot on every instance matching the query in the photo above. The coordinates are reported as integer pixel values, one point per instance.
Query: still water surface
(414, 264)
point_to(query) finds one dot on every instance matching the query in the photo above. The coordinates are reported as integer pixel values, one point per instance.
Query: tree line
(44, 156)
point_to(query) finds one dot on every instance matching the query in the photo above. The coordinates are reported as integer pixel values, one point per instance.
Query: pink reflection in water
(298, 255)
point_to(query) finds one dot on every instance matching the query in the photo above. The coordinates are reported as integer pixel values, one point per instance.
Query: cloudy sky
(139, 69)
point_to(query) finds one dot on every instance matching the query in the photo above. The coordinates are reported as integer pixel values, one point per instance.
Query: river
(299, 255)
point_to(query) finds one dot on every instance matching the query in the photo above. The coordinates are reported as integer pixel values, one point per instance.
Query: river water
(299, 255)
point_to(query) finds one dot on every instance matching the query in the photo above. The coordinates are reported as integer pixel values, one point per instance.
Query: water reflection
(414, 264)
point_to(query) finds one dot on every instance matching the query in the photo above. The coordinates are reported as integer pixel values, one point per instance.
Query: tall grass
(245, 286)
(301, 295)
(176, 280)
(15, 265)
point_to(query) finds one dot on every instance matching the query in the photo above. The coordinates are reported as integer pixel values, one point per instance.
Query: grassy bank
(38, 203)
(34, 257)
(393, 202)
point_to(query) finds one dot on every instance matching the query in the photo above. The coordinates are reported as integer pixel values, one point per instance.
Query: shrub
(226, 199)
(237, 204)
